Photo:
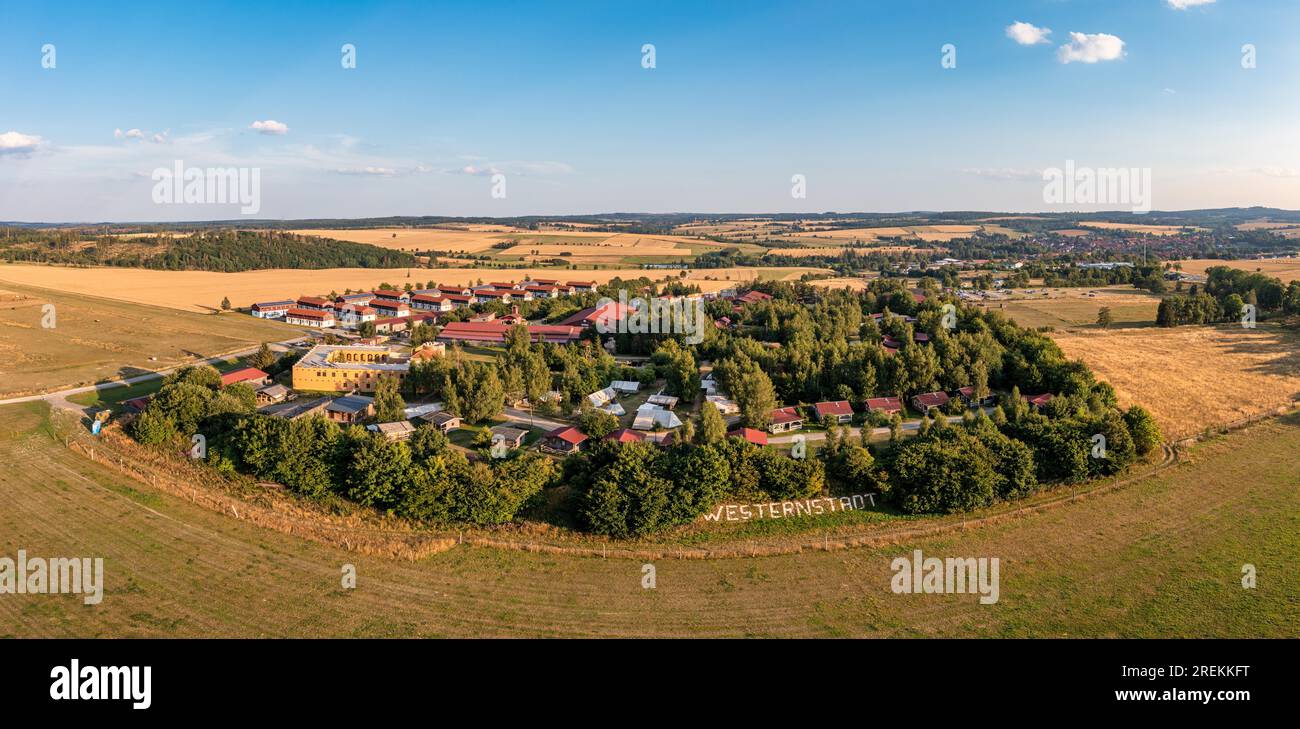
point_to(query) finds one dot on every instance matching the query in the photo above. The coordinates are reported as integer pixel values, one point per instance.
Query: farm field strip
(1161, 557)
(204, 290)
(95, 338)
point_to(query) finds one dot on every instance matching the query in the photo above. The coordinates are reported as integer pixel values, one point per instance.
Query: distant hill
(212, 250)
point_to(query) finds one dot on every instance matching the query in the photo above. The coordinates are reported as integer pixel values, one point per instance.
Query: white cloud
(270, 126)
(379, 171)
(1091, 48)
(472, 170)
(1185, 4)
(1004, 173)
(1027, 34)
(17, 144)
(128, 134)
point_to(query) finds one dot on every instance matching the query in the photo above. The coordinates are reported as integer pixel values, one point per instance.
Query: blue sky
(554, 96)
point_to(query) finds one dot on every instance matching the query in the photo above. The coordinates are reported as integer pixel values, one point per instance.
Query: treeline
(1227, 293)
(316, 458)
(1150, 277)
(807, 345)
(222, 250)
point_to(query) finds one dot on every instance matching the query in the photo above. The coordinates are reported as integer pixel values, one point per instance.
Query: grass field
(1287, 269)
(1074, 307)
(203, 290)
(1190, 377)
(581, 246)
(1161, 557)
(96, 339)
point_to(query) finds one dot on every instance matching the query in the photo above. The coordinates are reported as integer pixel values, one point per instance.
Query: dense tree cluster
(215, 250)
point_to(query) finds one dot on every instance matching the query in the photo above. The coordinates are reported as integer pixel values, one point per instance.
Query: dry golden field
(856, 283)
(1158, 558)
(203, 290)
(95, 339)
(1138, 228)
(1194, 377)
(1287, 269)
(1073, 307)
(584, 246)
(1265, 225)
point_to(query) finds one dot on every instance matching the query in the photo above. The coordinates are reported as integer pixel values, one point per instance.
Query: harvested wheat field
(203, 290)
(1073, 307)
(1193, 377)
(853, 283)
(584, 246)
(95, 339)
(465, 239)
(1160, 557)
(1287, 269)
(1139, 228)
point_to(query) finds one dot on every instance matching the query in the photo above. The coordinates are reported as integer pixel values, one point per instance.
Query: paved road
(59, 398)
(908, 426)
(536, 420)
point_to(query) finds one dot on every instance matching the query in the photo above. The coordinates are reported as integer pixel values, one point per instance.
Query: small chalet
(625, 435)
(513, 437)
(757, 437)
(564, 441)
(251, 375)
(785, 419)
(445, 422)
(886, 405)
(927, 401)
(838, 411)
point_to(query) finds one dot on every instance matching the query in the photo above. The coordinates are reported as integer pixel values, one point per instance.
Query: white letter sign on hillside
(786, 509)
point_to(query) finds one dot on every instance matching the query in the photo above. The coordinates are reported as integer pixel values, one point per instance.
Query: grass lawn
(1161, 557)
(114, 397)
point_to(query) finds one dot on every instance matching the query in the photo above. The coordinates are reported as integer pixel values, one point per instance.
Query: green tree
(1104, 317)
(596, 422)
(482, 397)
(263, 359)
(389, 405)
(1143, 429)
(712, 429)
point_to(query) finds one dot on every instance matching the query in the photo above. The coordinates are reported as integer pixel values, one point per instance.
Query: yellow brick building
(339, 368)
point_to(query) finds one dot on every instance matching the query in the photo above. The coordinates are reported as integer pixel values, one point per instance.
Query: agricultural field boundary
(354, 533)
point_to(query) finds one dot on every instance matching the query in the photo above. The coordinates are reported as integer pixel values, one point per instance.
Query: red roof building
(927, 401)
(625, 435)
(611, 313)
(312, 302)
(783, 419)
(753, 297)
(563, 440)
(494, 332)
(1037, 401)
(757, 437)
(247, 374)
(887, 405)
(838, 411)
(390, 308)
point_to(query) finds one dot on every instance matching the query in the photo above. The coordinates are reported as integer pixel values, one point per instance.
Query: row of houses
(840, 412)
(352, 310)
